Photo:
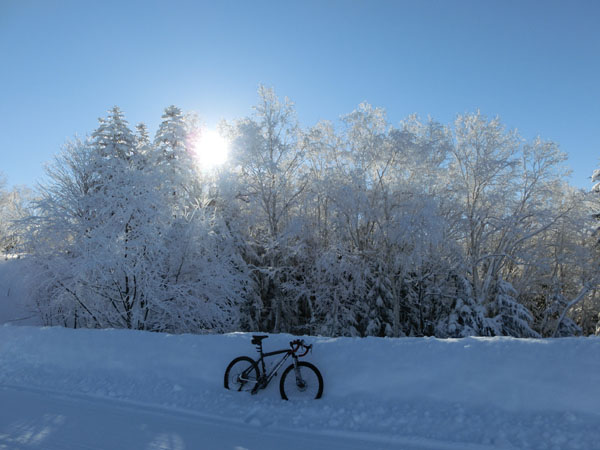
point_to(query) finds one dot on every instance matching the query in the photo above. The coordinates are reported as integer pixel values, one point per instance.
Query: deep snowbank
(496, 393)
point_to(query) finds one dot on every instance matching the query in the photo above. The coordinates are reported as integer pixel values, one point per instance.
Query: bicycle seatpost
(257, 340)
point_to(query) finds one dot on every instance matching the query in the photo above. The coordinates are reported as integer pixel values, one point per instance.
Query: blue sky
(536, 64)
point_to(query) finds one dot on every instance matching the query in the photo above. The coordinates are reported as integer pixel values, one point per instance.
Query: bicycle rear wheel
(305, 382)
(241, 374)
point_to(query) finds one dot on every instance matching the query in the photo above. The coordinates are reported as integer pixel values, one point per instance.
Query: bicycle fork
(299, 380)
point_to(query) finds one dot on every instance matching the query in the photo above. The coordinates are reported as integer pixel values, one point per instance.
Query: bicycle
(246, 374)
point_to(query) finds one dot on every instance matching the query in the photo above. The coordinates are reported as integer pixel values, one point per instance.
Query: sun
(211, 150)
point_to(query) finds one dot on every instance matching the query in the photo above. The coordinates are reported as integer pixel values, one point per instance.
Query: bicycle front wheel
(304, 381)
(241, 374)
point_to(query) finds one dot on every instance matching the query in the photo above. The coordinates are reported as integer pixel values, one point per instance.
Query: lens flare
(211, 150)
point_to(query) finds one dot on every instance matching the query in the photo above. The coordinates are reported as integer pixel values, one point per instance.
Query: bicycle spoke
(241, 375)
(301, 383)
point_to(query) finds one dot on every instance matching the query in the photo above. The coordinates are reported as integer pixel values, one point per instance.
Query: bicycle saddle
(257, 340)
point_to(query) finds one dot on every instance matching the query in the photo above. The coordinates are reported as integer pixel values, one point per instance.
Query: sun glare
(211, 150)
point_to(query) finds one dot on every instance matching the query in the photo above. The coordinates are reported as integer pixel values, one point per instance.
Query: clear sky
(536, 64)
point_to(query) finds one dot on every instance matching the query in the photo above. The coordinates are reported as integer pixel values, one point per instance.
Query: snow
(14, 304)
(60, 388)
(72, 423)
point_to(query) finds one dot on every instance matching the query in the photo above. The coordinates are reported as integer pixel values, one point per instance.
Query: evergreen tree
(108, 250)
(173, 160)
(462, 316)
(507, 317)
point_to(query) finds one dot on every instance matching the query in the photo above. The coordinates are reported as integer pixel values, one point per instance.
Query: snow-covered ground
(117, 389)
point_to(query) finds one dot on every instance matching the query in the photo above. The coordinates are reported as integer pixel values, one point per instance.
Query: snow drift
(492, 392)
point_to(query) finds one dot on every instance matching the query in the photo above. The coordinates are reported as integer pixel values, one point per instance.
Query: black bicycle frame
(267, 377)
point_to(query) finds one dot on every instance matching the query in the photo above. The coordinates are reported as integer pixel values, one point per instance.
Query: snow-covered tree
(269, 162)
(361, 228)
(504, 189)
(107, 252)
(506, 316)
(173, 159)
(459, 314)
(14, 206)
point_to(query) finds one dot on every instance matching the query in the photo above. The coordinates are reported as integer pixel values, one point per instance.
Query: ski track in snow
(463, 394)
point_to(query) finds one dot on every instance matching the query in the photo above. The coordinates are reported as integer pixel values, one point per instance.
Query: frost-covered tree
(381, 205)
(482, 174)
(338, 284)
(269, 163)
(506, 316)
(371, 200)
(554, 323)
(360, 228)
(458, 315)
(269, 159)
(173, 158)
(14, 206)
(562, 281)
(596, 188)
(106, 251)
(504, 190)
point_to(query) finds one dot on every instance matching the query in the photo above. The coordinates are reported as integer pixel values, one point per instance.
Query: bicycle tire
(290, 387)
(236, 369)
